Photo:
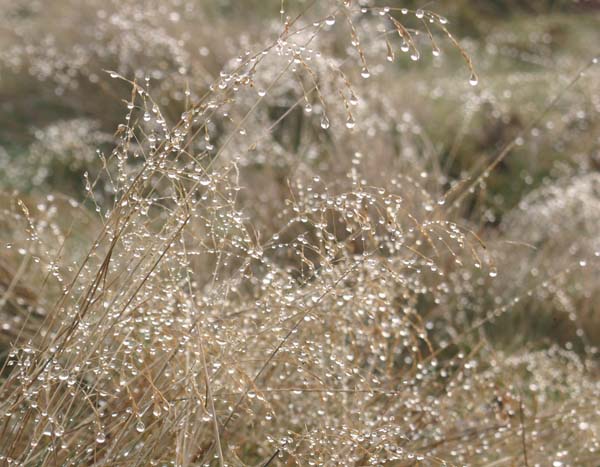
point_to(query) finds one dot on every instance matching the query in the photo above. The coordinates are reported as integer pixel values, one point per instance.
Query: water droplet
(324, 122)
(100, 438)
(330, 20)
(419, 13)
(140, 427)
(473, 80)
(350, 123)
(390, 53)
(365, 73)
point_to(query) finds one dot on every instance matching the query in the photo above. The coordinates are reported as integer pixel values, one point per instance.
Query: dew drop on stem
(140, 427)
(350, 122)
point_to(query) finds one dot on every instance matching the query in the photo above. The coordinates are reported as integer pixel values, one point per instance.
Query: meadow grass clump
(275, 266)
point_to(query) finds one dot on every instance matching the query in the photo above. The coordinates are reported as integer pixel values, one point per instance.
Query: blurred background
(52, 82)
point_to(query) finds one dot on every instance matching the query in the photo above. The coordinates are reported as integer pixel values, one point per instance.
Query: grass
(282, 245)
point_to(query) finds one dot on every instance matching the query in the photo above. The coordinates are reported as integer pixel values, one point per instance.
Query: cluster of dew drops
(182, 316)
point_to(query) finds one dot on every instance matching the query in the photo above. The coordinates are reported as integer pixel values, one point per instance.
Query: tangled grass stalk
(265, 272)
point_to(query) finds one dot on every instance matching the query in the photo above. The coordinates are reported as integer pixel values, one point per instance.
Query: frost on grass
(271, 274)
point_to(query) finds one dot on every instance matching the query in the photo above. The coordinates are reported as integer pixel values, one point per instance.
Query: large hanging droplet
(473, 80)
(350, 123)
